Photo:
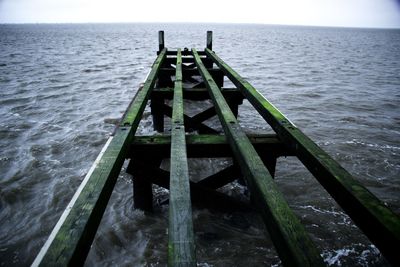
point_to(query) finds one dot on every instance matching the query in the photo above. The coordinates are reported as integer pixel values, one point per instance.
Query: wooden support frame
(293, 244)
(181, 247)
(373, 217)
(254, 156)
(202, 196)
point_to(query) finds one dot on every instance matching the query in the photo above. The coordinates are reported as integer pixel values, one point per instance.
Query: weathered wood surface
(181, 247)
(197, 93)
(161, 43)
(70, 240)
(209, 40)
(201, 196)
(374, 218)
(293, 244)
(190, 123)
(205, 146)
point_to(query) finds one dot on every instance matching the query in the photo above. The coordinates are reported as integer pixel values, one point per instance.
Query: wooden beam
(293, 244)
(202, 196)
(204, 115)
(375, 219)
(187, 72)
(221, 178)
(189, 123)
(73, 234)
(197, 94)
(184, 53)
(204, 146)
(181, 247)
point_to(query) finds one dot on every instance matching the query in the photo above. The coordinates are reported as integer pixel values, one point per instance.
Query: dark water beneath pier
(60, 84)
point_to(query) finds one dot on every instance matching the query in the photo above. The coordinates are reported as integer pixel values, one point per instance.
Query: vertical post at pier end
(209, 40)
(161, 43)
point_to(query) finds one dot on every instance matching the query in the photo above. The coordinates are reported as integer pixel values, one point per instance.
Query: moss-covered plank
(197, 93)
(293, 244)
(181, 247)
(374, 218)
(208, 146)
(73, 234)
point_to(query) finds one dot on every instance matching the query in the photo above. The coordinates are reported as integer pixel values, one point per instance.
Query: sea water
(62, 84)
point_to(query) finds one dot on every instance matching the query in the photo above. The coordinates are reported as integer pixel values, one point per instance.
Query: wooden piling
(209, 40)
(161, 43)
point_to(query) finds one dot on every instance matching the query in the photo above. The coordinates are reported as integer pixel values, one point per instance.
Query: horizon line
(190, 22)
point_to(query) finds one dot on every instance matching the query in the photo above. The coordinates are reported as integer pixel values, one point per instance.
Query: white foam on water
(333, 258)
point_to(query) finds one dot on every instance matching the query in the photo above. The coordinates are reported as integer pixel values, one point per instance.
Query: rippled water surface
(61, 84)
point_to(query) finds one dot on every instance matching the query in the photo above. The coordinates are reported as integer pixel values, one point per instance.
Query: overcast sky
(348, 13)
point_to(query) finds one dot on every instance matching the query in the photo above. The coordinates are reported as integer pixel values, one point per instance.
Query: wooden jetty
(254, 158)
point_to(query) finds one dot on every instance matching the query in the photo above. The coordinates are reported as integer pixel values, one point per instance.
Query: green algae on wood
(71, 239)
(181, 247)
(293, 244)
(374, 218)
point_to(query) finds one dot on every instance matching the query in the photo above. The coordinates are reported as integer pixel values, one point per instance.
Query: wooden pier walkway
(254, 161)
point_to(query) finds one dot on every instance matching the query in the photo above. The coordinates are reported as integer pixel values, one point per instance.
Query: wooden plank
(188, 72)
(184, 53)
(73, 234)
(204, 146)
(198, 93)
(375, 219)
(181, 247)
(293, 244)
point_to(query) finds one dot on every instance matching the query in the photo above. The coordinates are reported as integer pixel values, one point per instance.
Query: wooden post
(142, 185)
(209, 40)
(161, 43)
(157, 112)
(233, 105)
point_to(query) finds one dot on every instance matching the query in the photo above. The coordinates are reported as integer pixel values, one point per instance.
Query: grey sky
(350, 13)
